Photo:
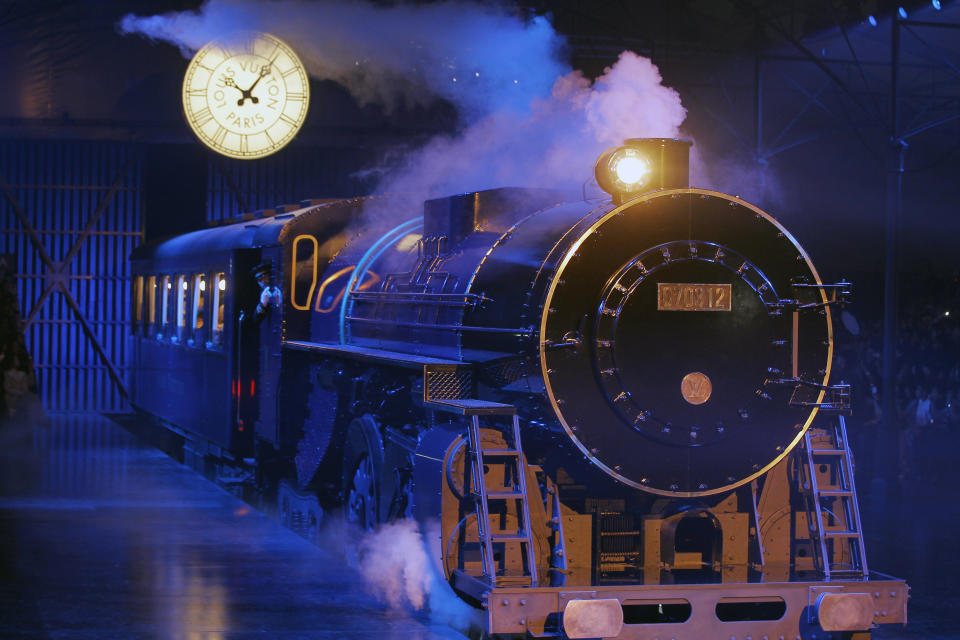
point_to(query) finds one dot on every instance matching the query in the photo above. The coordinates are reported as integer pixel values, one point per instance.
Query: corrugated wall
(70, 213)
(292, 175)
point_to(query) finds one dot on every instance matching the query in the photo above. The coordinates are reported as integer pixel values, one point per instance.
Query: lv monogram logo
(696, 388)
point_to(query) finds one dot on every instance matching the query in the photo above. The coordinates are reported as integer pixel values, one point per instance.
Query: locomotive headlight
(623, 171)
(631, 169)
(643, 164)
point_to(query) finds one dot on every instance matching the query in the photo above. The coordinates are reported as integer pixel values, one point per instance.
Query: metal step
(504, 495)
(842, 534)
(508, 537)
(846, 572)
(513, 581)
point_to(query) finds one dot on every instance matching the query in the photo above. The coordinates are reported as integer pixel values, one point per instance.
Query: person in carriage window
(270, 296)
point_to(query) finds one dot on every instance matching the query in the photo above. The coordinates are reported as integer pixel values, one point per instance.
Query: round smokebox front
(668, 338)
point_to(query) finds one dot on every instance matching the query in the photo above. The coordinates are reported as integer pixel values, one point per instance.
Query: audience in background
(926, 369)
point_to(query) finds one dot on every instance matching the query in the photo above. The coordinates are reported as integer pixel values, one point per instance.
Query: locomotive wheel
(361, 503)
(362, 468)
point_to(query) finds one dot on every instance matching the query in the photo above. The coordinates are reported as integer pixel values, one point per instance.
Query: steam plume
(526, 118)
(477, 57)
(396, 569)
(555, 143)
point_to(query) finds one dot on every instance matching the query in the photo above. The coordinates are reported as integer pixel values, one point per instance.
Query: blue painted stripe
(368, 258)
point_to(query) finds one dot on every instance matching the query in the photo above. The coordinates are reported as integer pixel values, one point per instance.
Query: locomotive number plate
(676, 296)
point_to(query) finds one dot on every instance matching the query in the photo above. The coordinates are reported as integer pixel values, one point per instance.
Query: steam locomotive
(612, 417)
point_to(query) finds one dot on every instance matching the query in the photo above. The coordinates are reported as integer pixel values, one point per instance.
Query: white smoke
(396, 568)
(526, 118)
(477, 57)
(395, 565)
(555, 143)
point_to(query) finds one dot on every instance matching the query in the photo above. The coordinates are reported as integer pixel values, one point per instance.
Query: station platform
(104, 537)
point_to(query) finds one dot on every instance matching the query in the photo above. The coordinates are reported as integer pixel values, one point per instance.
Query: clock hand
(264, 71)
(230, 82)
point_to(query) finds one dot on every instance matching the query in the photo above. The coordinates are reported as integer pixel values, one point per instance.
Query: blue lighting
(872, 21)
(903, 13)
(936, 4)
(368, 258)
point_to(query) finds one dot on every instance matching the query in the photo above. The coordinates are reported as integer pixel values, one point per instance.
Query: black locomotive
(612, 417)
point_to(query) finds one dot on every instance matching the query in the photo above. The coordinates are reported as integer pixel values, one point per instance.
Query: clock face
(246, 99)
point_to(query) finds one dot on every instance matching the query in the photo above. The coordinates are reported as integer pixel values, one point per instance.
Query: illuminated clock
(246, 98)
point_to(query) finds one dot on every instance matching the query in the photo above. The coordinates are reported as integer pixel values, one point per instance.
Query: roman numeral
(296, 96)
(203, 116)
(218, 136)
(267, 133)
(289, 71)
(197, 93)
(244, 143)
(290, 121)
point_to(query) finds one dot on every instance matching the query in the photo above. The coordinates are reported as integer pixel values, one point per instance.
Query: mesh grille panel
(448, 383)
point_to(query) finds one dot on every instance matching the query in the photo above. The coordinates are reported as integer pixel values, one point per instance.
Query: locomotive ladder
(484, 495)
(842, 524)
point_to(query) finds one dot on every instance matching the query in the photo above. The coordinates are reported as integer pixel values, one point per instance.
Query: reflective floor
(104, 537)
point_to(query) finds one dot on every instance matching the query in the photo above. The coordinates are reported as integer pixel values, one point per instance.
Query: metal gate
(70, 213)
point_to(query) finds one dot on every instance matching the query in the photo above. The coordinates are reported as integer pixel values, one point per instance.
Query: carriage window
(137, 303)
(199, 298)
(199, 295)
(166, 290)
(151, 295)
(182, 286)
(217, 304)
